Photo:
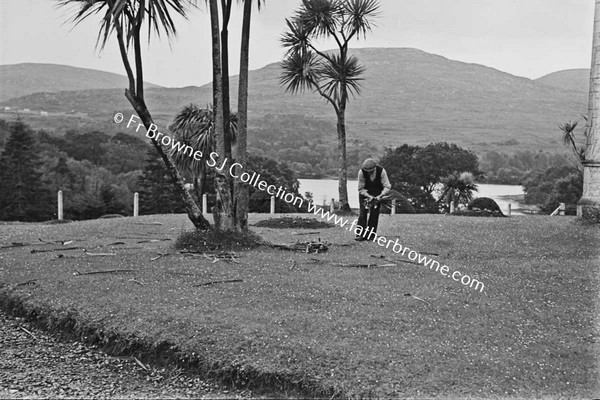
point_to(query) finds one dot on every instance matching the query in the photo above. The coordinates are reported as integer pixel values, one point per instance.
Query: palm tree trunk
(343, 162)
(193, 211)
(226, 6)
(222, 211)
(239, 188)
(588, 208)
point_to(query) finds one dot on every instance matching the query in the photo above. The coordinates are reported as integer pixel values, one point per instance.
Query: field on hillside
(313, 322)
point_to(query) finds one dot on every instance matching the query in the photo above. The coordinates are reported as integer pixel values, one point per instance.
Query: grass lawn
(300, 321)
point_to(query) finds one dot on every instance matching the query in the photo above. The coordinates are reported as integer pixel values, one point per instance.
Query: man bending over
(373, 184)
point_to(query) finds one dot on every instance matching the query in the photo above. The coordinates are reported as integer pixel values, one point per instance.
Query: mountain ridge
(17, 80)
(408, 96)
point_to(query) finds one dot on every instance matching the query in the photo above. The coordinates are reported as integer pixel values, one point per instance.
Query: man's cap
(369, 164)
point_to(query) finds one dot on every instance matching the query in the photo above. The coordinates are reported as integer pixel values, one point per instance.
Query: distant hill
(569, 79)
(17, 80)
(408, 96)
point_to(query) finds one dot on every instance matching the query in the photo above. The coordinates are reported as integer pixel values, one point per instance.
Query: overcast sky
(523, 37)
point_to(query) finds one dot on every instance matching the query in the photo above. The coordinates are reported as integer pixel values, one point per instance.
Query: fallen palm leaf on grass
(57, 249)
(305, 247)
(216, 282)
(28, 332)
(363, 265)
(110, 271)
(141, 364)
(213, 257)
(159, 256)
(418, 298)
(98, 254)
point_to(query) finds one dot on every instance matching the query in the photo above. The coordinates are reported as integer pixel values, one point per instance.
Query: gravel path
(36, 364)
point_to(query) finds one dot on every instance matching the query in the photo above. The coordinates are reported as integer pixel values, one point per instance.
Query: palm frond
(320, 17)
(338, 73)
(299, 72)
(360, 14)
(296, 38)
(129, 15)
(194, 127)
(567, 128)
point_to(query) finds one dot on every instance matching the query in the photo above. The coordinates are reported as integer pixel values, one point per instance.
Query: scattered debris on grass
(110, 271)
(305, 247)
(293, 222)
(408, 262)
(154, 240)
(138, 282)
(27, 332)
(57, 249)
(417, 298)
(160, 255)
(63, 242)
(217, 282)
(27, 283)
(363, 265)
(98, 254)
(214, 240)
(141, 364)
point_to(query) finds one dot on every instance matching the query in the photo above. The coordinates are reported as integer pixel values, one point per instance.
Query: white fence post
(272, 204)
(332, 206)
(562, 208)
(136, 204)
(60, 205)
(204, 203)
(451, 207)
(393, 211)
(509, 208)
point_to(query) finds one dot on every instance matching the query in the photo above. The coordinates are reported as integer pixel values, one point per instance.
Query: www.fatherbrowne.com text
(253, 179)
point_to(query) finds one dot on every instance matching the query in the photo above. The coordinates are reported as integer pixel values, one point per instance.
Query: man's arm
(386, 184)
(361, 185)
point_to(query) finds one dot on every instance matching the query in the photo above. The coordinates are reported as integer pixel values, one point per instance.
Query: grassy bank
(302, 320)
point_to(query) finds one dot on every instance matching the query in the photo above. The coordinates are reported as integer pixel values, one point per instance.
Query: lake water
(324, 190)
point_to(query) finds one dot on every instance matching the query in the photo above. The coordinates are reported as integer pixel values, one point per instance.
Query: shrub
(260, 202)
(484, 203)
(403, 206)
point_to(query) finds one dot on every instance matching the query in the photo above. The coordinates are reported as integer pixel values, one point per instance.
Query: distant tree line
(98, 174)
(511, 169)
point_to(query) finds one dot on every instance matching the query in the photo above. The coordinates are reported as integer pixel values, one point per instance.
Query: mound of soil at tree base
(215, 240)
(481, 207)
(293, 223)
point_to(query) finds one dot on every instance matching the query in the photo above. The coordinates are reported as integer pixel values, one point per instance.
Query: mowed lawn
(303, 319)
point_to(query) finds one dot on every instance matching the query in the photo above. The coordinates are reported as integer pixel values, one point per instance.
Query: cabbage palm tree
(126, 19)
(231, 211)
(240, 154)
(335, 76)
(458, 188)
(195, 127)
(588, 208)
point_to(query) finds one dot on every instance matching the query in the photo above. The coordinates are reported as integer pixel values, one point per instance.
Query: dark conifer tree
(156, 189)
(23, 194)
